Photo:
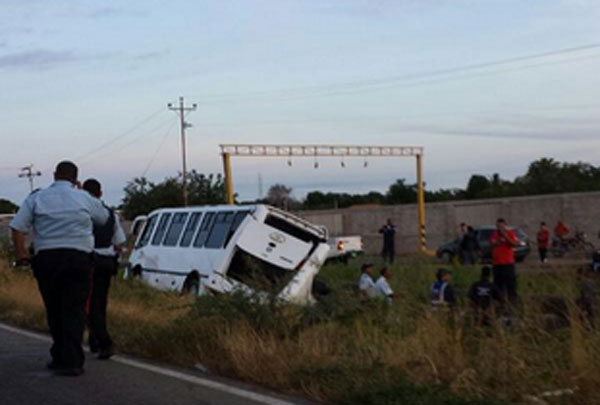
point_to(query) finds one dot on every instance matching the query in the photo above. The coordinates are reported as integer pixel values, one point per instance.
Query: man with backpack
(108, 239)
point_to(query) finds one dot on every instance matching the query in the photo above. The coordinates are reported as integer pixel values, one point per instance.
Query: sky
(484, 86)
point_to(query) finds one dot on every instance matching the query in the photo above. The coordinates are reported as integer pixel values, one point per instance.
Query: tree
(279, 195)
(401, 193)
(7, 207)
(143, 196)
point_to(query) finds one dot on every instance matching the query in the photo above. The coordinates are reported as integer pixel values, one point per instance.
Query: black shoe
(94, 348)
(53, 365)
(69, 372)
(106, 353)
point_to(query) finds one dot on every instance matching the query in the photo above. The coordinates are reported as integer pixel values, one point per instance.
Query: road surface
(121, 380)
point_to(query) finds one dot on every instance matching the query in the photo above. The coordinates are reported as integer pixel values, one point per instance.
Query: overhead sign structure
(337, 151)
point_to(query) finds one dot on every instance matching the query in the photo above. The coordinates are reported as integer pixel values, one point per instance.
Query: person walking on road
(389, 243)
(502, 241)
(108, 239)
(543, 241)
(61, 217)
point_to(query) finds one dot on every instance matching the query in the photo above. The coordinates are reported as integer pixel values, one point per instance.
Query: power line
(182, 111)
(365, 85)
(30, 174)
(158, 149)
(135, 140)
(119, 136)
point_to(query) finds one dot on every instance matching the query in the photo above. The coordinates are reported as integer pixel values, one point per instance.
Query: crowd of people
(75, 245)
(496, 290)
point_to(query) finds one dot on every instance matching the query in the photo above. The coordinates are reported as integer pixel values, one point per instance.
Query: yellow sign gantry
(341, 151)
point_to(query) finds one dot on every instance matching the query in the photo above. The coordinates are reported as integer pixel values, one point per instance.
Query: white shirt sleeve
(383, 287)
(23, 221)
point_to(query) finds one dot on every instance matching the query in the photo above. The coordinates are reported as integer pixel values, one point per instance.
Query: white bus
(226, 248)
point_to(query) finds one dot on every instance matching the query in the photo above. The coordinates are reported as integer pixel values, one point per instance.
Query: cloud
(38, 58)
(151, 55)
(112, 12)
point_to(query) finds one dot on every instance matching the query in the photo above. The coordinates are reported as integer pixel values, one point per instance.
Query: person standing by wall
(543, 241)
(108, 239)
(469, 247)
(61, 217)
(502, 241)
(389, 241)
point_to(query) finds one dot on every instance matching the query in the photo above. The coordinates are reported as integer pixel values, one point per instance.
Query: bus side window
(161, 228)
(190, 229)
(145, 238)
(207, 224)
(220, 230)
(237, 220)
(175, 229)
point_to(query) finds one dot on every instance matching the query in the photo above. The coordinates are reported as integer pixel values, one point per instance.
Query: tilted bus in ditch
(227, 248)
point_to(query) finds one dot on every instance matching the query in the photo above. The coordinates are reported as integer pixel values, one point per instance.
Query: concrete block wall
(579, 211)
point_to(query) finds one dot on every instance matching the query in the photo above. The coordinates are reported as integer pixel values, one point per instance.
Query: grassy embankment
(347, 352)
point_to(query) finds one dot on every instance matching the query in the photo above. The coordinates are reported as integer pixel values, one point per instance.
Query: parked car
(450, 250)
(343, 248)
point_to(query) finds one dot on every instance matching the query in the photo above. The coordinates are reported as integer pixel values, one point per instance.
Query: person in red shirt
(543, 241)
(502, 241)
(561, 230)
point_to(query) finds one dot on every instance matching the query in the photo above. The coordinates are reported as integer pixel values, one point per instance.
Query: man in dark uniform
(61, 218)
(108, 239)
(389, 236)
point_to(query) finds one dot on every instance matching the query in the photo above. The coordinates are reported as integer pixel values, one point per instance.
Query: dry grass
(346, 352)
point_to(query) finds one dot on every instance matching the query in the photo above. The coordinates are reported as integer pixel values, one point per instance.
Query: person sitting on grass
(382, 286)
(442, 293)
(482, 294)
(366, 285)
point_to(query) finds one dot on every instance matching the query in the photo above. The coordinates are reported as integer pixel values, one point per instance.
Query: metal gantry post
(421, 204)
(228, 178)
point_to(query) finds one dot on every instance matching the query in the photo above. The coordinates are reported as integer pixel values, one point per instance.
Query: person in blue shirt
(442, 293)
(61, 219)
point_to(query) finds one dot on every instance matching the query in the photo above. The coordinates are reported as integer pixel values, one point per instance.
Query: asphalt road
(121, 380)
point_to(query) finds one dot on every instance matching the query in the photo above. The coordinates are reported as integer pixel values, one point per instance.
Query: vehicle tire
(446, 257)
(191, 285)
(135, 273)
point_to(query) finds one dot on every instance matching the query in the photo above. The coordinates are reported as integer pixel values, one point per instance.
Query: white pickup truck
(343, 248)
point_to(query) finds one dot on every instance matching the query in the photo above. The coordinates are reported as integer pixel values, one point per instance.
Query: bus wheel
(191, 285)
(135, 273)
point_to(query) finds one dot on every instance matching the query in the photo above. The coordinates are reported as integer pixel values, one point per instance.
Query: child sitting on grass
(442, 293)
(482, 294)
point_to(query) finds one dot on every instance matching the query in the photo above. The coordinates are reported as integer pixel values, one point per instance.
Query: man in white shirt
(108, 239)
(382, 286)
(366, 285)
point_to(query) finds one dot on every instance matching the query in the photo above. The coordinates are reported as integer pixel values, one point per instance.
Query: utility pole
(181, 110)
(28, 172)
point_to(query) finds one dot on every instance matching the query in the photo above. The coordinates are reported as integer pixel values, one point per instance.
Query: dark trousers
(104, 269)
(63, 277)
(505, 280)
(543, 254)
(388, 252)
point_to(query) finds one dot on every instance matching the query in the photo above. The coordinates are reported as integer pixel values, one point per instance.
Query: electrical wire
(119, 136)
(160, 145)
(366, 85)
